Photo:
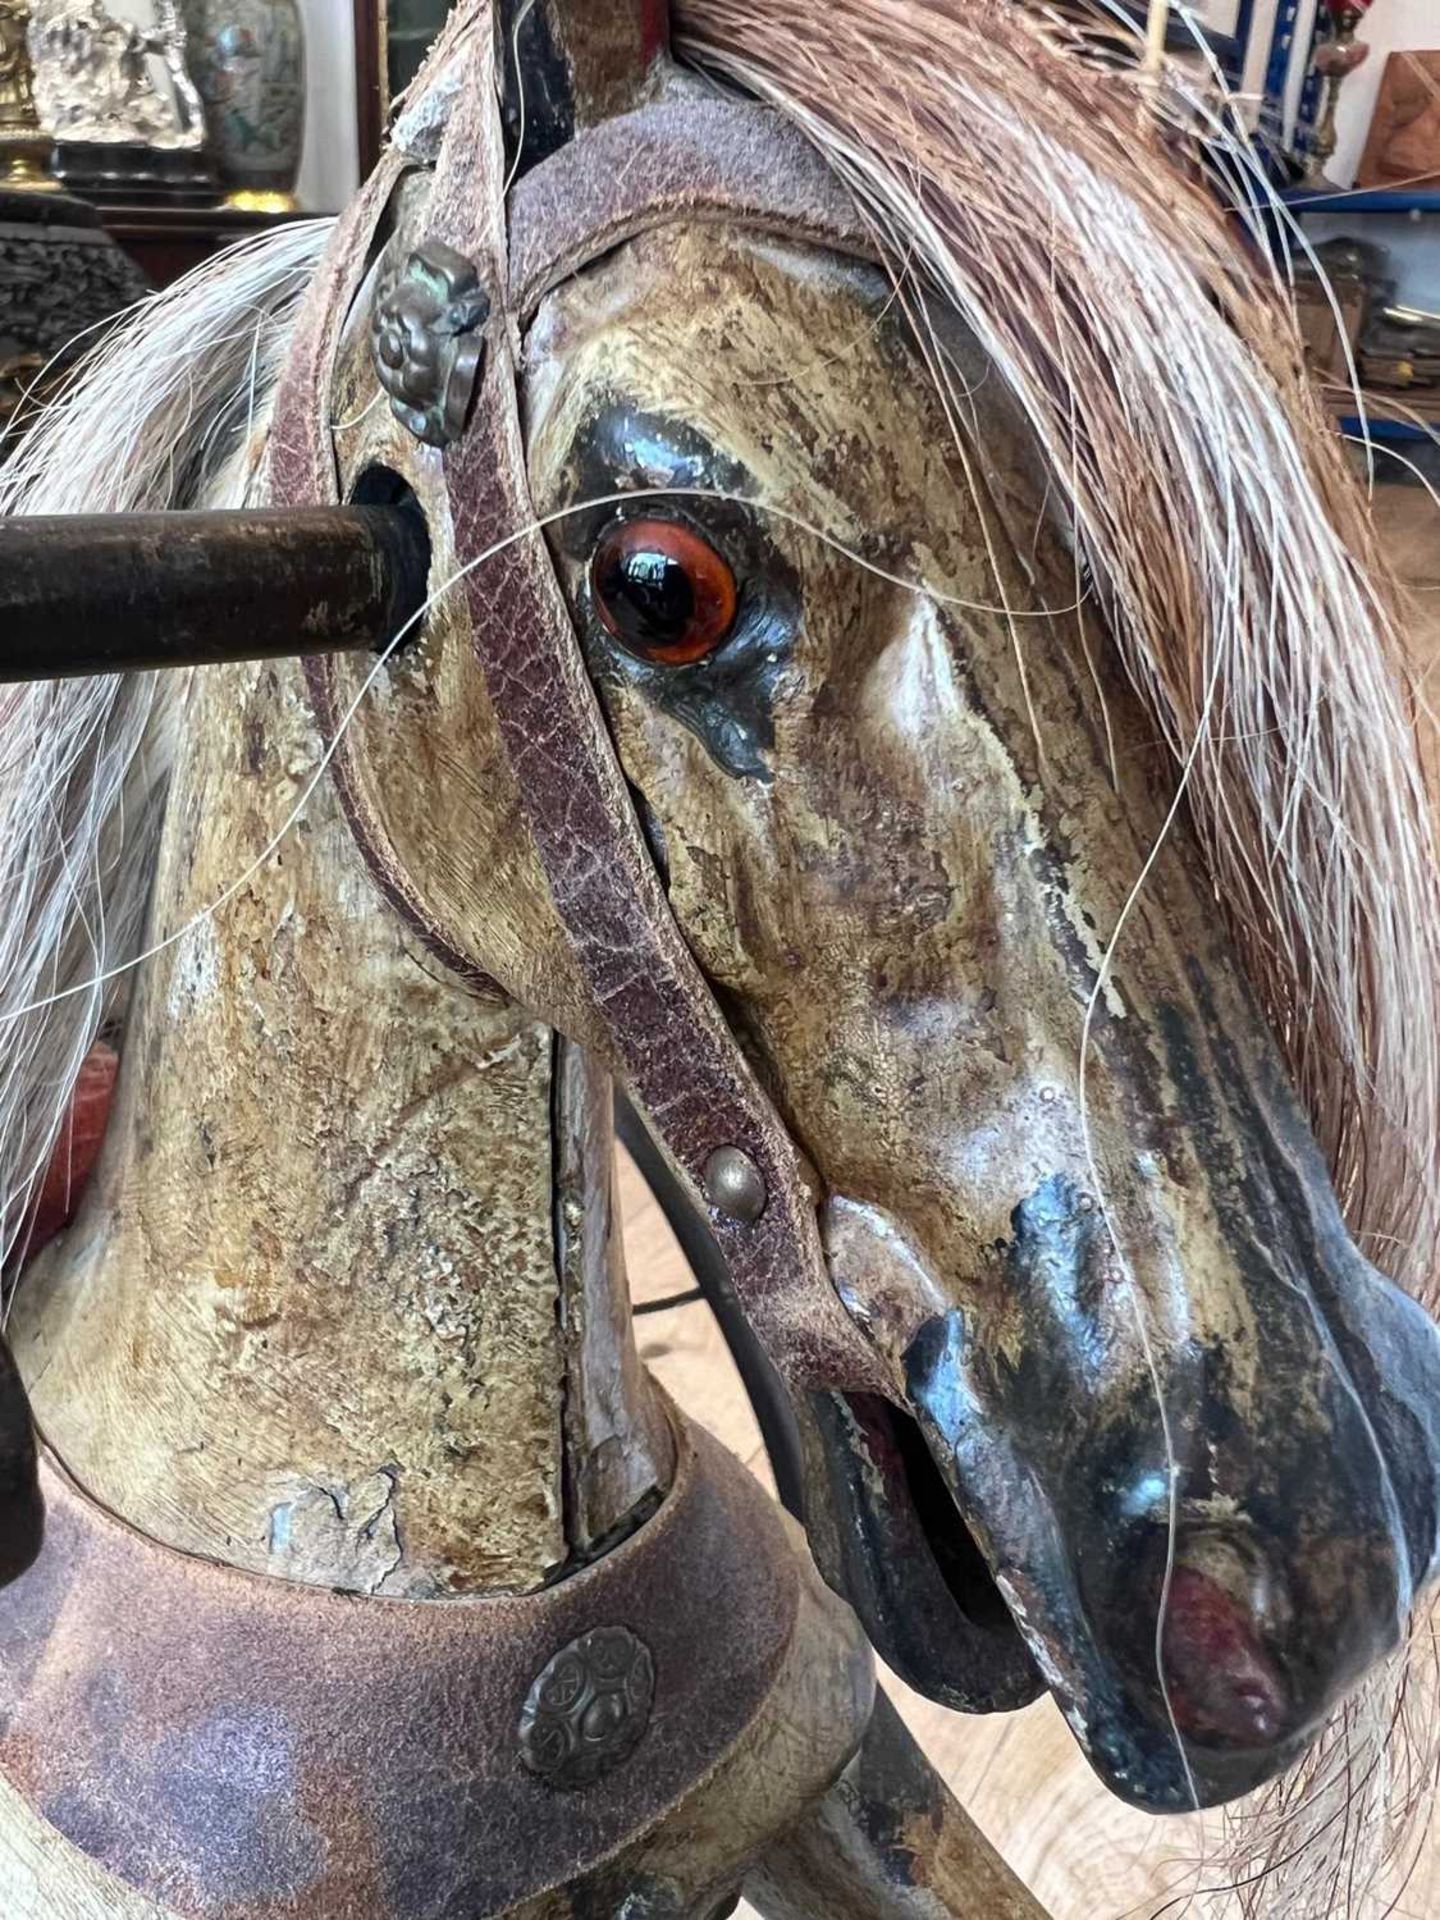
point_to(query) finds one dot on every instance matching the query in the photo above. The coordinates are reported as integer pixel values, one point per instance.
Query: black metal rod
(117, 593)
(22, 1510)
(767, 1393)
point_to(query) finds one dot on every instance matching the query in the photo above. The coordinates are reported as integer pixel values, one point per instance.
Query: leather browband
(209, 1735)
(690, 157)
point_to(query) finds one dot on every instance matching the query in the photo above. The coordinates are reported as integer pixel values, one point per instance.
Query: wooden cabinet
(167, 241)
(392, 37)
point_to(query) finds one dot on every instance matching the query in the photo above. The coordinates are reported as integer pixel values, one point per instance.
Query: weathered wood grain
(313, 1284)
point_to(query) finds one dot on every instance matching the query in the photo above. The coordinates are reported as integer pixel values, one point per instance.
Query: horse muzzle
(1200, 1559)
(1198, 1595)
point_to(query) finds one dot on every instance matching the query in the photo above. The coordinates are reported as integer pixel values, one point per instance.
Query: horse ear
(570, 63)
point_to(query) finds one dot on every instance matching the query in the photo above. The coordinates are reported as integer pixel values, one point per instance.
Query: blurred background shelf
(166, 241)
(1362, 200)
(1386, 430)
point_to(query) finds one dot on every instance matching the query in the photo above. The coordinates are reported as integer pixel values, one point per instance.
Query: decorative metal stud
(588, 1708)
(429, 349)
(734, 1185)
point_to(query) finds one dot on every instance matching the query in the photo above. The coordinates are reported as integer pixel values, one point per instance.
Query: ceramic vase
(247, 58)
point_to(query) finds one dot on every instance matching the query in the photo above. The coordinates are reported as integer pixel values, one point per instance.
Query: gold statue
(24, 146)
(17, 101)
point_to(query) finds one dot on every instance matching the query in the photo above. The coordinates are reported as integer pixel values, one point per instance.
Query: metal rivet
(588, 1707)
(734, 1185)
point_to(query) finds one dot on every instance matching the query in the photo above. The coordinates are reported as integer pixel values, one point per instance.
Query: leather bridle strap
(288, 1749)
(690, 158)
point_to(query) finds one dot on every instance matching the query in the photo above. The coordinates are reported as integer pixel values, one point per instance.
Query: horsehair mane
(164, 402)
(1213, 519)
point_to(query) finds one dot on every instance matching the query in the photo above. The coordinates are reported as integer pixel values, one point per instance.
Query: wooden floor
(1021, 1776)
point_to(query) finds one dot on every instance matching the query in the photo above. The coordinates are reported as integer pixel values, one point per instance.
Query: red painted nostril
(1225, 1690)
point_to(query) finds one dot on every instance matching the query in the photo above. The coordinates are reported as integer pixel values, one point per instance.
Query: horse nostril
(1224, 1688)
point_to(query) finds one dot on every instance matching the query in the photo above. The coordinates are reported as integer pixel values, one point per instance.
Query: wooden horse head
(757, 741)
(828, 866)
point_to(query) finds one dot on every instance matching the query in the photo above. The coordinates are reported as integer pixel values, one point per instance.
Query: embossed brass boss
(429, 349)
(588, 1707)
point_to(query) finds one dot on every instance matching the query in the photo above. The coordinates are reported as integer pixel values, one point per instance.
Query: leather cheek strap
(683, 159)
(691, 158)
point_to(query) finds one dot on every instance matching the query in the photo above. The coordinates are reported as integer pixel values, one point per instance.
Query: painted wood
(314, 1281)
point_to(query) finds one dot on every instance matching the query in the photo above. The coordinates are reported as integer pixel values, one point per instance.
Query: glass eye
(662, 591)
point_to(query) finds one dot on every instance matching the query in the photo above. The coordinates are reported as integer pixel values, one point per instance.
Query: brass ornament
(588, 1708)
(24, 145)
(429, 349)
(1336, 57)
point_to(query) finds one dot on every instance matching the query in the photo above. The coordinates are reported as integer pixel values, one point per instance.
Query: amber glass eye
(662, 591)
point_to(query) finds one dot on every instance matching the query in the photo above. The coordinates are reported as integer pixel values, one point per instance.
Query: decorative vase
(248, 61)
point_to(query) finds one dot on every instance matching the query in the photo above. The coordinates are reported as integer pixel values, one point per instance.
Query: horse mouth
(890, 1536)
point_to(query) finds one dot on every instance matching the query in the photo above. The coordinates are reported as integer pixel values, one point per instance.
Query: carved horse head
(792, 772)
(861, 866)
